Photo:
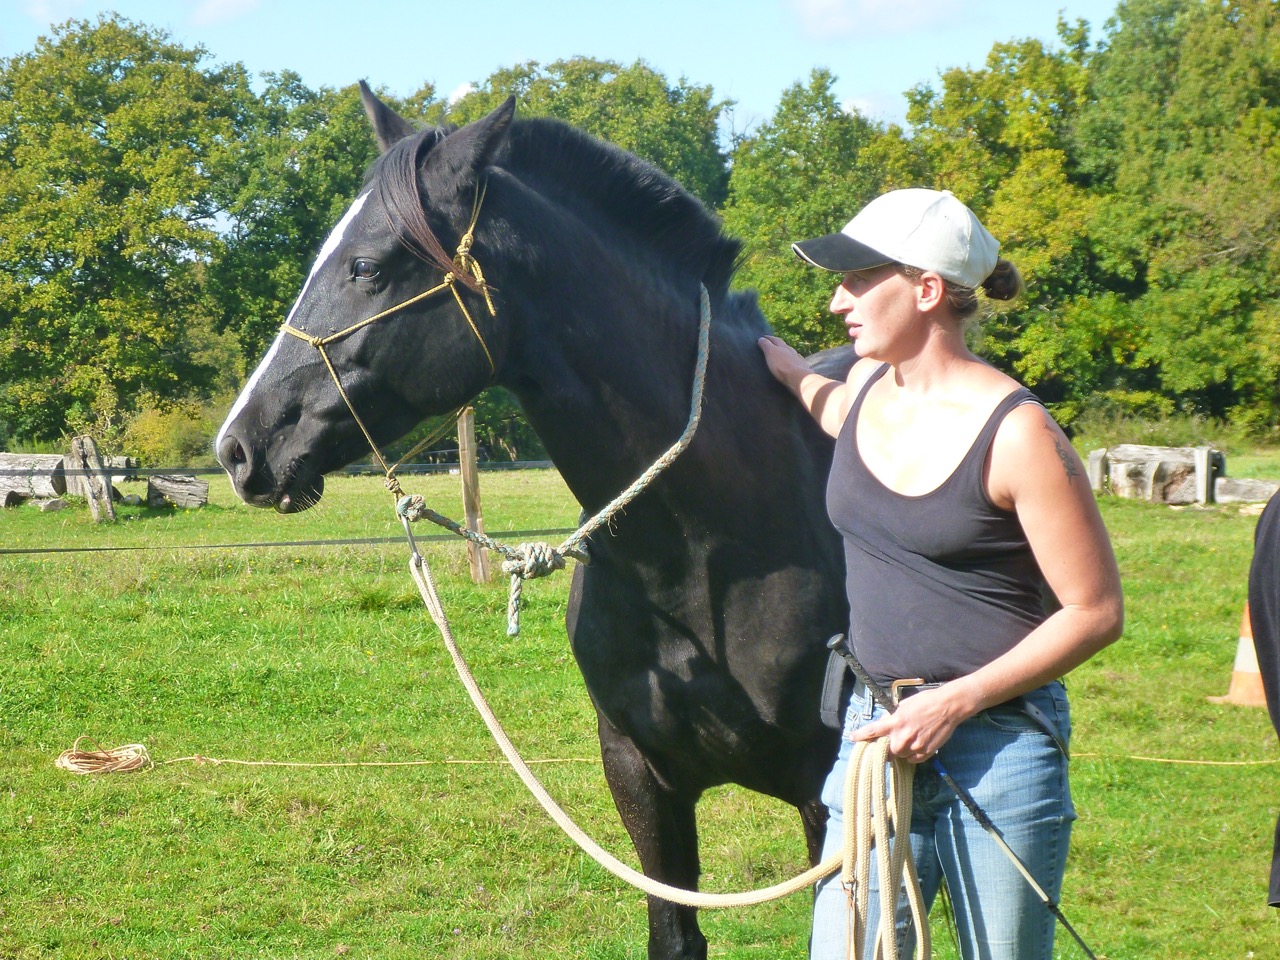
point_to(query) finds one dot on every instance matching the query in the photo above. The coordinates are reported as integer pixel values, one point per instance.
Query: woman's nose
(842, 300)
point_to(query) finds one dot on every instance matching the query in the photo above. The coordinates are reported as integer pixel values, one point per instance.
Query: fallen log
(177, 491)
(1244, 490)
(25, 476)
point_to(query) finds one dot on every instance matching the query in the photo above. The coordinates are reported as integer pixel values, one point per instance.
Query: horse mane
(633, 195)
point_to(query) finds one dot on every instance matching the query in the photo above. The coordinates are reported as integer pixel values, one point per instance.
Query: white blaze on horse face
(326, 251)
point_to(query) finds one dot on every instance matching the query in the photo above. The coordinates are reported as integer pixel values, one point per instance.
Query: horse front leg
(664, 830)
(813, 816)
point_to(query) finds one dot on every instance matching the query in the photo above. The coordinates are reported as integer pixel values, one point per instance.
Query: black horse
(699, 623)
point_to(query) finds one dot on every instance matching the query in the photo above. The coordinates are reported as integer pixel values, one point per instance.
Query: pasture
(322, 654)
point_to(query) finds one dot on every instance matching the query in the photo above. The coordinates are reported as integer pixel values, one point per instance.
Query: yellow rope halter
(463, 261)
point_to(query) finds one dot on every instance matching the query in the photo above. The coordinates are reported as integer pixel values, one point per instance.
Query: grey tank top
(939, 584)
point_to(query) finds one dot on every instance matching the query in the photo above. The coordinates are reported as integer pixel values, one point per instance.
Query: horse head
(395, 322)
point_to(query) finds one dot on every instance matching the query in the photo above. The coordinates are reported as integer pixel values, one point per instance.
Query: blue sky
(746, 50)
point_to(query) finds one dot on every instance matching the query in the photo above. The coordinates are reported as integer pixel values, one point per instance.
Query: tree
(110, 140)
(802, 174)
(1183, 134)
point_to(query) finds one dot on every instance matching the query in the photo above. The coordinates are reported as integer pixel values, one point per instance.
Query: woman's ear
(931, 291)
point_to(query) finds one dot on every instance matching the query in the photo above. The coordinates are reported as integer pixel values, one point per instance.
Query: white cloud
(459, 92)
(836, 19)
(209, 13)
(866, 106)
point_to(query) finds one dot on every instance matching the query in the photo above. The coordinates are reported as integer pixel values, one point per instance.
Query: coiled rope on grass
(133, 757)
(126, 759)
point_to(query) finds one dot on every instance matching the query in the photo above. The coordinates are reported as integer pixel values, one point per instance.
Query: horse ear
(388, 126)
(466, 151)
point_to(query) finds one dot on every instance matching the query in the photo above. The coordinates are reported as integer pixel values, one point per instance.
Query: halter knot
(529, 561)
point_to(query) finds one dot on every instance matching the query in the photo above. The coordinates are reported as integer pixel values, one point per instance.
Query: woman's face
(878, 307)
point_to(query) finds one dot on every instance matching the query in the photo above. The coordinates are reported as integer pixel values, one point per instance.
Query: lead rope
(534, 560)
(877, 791)
(873, 829)
(529, 561)
(421, 574)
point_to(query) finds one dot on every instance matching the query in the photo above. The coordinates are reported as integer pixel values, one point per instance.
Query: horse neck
(605, 375)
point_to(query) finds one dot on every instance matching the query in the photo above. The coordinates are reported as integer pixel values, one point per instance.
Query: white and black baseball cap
(928, 229)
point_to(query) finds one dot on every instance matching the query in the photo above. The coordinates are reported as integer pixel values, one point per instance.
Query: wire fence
(355, 470)
(335, 542)
(368, 469)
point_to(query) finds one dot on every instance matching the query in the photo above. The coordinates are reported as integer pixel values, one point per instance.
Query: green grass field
(324, 655)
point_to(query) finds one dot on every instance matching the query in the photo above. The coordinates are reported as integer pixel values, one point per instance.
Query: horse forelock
(396, 178)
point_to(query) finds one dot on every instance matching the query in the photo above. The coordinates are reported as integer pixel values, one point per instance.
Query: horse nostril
(232, 454)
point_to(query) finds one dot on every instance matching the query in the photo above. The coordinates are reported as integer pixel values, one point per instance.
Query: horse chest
(699, 668)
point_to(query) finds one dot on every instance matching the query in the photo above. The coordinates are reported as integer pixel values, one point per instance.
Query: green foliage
(173, 435)
(1180, 137)
(502, 429)
(305, 153)
(1135, 185)
(157, 217)
(804, 173)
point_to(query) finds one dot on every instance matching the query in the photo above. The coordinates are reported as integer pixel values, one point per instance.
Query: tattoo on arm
(1069, 463)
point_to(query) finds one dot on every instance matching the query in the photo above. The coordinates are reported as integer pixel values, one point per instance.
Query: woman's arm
(1034, 471)
(828, 401)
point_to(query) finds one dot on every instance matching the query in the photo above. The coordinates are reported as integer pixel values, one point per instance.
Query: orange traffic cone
(1246, 679)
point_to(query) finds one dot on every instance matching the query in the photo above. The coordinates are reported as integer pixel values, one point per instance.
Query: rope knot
(529, 561)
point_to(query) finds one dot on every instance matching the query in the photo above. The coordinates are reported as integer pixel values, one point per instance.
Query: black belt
(902, 689)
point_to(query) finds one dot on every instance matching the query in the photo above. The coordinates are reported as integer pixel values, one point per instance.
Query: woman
(960, 501)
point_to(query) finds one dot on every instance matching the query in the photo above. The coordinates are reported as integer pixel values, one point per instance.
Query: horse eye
(364, 269)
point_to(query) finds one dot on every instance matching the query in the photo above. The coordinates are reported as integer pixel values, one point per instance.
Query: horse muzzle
(292, 489)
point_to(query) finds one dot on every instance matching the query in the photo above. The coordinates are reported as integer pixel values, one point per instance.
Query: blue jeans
(1018, 775)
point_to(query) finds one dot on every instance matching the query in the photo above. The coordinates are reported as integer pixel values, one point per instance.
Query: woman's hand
(785, 363)
(826, 400)
(920, 726)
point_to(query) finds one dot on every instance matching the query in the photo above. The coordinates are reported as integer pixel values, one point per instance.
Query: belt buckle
(898, 686)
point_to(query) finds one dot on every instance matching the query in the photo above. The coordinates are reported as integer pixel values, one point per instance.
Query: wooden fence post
(477, 555)
(85, 463)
